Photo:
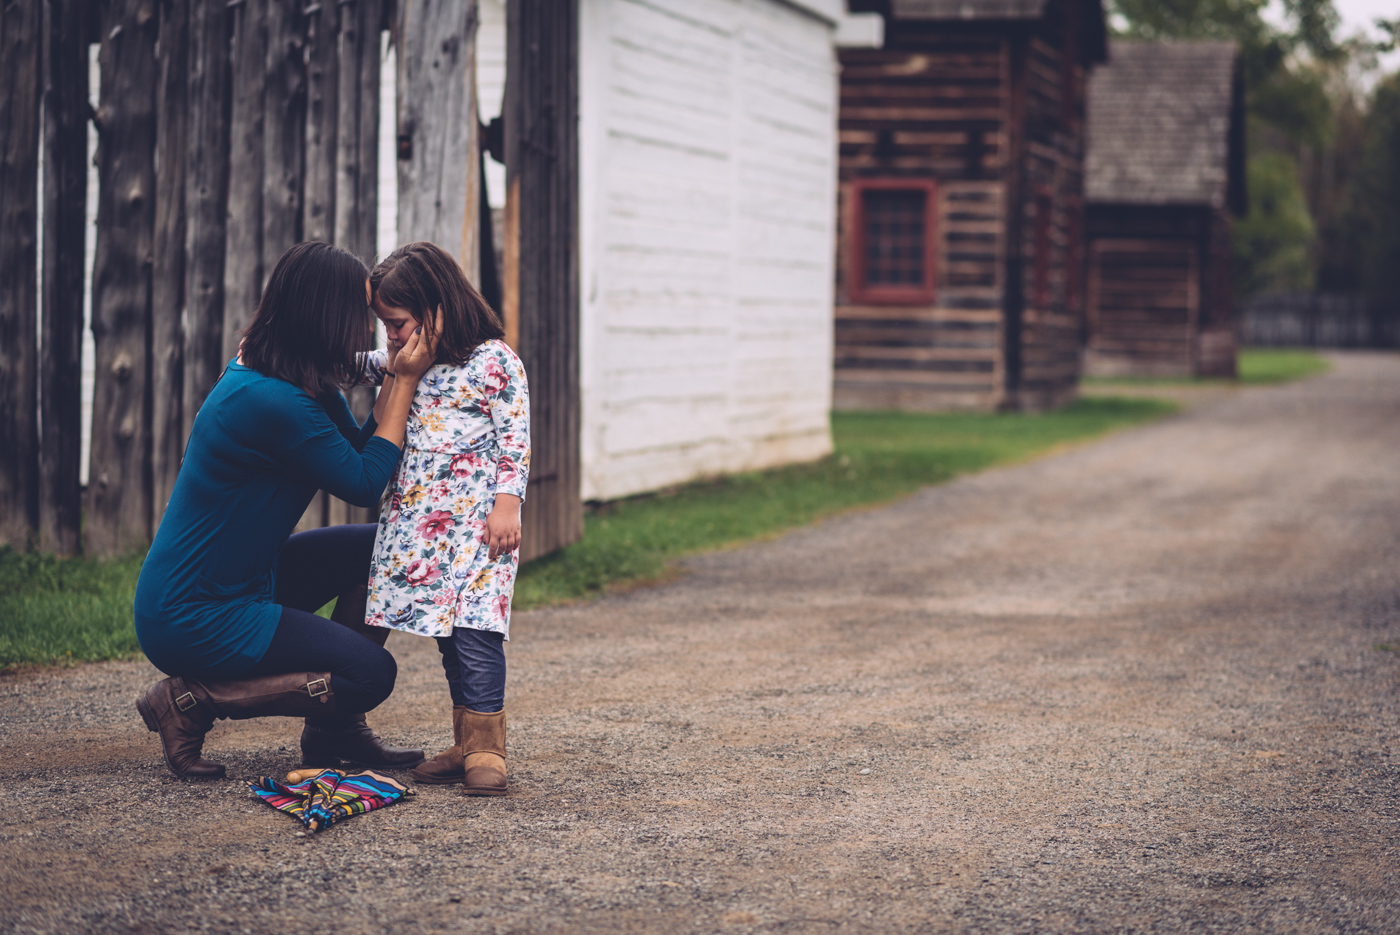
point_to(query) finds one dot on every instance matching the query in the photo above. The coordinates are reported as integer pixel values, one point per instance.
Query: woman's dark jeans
(313, 568)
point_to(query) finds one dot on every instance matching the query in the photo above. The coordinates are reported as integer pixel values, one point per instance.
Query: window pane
(894, 237)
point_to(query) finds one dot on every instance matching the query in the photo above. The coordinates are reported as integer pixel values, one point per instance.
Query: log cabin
(960, 211)
(1164, 175)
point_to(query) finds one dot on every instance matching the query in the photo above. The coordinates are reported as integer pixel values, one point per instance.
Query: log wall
(993, 111)
(932, 103)
(1160, 301)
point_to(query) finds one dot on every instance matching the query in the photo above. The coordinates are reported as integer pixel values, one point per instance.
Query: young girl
(446, 553)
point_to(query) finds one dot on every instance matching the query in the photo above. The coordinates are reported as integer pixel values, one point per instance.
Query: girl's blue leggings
(475, 664)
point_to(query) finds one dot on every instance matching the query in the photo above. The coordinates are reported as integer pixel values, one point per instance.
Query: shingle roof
(1159, 124)
(967, 9)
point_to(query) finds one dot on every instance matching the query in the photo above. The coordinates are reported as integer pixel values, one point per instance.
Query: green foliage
(65, 610)
(54, 610)
(1373, 204)
(879, 456)
(1259, 365)
(1273, 242)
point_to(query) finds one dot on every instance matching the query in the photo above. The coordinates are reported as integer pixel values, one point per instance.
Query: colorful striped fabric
(330, 796)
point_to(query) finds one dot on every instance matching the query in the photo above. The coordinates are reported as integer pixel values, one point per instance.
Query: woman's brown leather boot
(182, 710)
(445, 768)
(170, 709)
(326, 740)
(482, 738)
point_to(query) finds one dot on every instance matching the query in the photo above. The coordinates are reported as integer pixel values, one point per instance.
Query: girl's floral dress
(468, 439)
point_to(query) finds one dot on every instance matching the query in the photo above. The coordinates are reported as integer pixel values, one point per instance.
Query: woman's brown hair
(418, 278)
(313, 322)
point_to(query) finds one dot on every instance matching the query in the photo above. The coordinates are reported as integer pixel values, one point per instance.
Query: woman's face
(399, 323)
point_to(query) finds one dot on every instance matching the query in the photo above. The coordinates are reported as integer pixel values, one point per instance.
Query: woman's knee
(370, 681)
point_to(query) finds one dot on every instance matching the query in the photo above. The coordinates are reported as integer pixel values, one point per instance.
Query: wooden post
(439, 153)
(168, 268)
(322, 77)
(284, 132)
(243, 256)
(61, 284)
(318, 184)
(541, 124)
(20, 25)
(119, 502)
(357, 171)
(206, 201)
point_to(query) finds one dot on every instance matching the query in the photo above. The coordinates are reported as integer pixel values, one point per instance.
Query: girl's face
(399, 323)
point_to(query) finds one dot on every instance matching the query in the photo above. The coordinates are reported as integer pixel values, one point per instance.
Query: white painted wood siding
(708, 168)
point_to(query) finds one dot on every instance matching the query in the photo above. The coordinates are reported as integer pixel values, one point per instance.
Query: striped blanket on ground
(329, 796)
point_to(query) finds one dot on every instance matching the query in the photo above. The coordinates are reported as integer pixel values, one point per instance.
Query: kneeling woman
(225, 599)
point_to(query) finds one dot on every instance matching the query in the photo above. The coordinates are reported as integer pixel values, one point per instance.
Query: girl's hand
(393, 347)
(503, 526)
(419, 352)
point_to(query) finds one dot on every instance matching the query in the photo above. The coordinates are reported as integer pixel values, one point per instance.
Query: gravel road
(1144, 685)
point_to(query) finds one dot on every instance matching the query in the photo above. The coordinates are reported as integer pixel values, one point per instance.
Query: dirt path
(1136, 687)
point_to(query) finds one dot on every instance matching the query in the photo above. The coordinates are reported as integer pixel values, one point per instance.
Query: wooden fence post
(61, 280)
(119, 503)
(541, 130)
(206, 202)
(439, 153)
(284, 132)
(20, 25)
(357, 171)
(168, 269)
(243, 256)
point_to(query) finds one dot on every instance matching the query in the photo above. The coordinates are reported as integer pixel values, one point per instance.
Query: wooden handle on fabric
(301, 775)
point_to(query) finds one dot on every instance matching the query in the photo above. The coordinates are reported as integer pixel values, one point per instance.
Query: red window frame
(1040, 285)
(881, 294)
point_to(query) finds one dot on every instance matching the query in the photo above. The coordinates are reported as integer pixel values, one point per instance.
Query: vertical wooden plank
(206, 201)
(357, 172)
(541, 119)
(439, 153)
(61, 283)
(284, 132)
(322, 76)
(119, 501)
(318, 183)
(20, 25)
(243, 262)
(168, 268)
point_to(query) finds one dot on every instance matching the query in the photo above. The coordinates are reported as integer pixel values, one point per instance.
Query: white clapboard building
(707, 148)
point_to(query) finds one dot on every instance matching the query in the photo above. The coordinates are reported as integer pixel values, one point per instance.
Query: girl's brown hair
(420, 277)
(313, 322)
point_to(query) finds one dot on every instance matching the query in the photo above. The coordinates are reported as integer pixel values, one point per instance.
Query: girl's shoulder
(495, 351)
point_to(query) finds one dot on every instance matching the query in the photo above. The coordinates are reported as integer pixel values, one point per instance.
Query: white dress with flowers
(468, 439)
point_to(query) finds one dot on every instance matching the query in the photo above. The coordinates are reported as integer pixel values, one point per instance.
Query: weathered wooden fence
(228, 131)
(1307, 319)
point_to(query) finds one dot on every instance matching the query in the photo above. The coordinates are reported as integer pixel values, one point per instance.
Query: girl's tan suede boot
(482, 738)
(445, 768)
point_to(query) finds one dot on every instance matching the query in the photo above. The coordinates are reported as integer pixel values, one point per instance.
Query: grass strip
(1257, 366)
(57, 611)
(879, 456)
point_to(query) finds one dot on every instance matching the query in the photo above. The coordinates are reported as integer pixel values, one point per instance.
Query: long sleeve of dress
(508, 396)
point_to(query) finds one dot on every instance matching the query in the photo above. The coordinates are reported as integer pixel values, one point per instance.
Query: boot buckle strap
(317, 687)
(186, 701)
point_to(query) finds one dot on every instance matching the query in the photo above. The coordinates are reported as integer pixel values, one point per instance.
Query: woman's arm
(410, 363)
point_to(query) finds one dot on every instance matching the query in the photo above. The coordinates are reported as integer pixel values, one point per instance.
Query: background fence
(1318, 320)
(228, 130)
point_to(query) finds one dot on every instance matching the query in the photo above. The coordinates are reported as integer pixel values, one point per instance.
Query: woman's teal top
(259, 450)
